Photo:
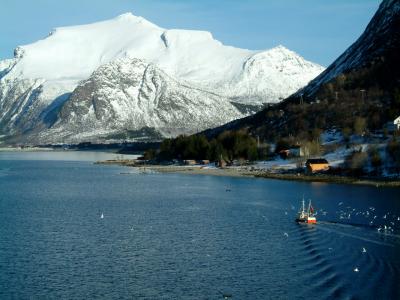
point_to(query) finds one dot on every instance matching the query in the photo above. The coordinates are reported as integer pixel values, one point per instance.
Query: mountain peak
(280, 48)
(127, 16)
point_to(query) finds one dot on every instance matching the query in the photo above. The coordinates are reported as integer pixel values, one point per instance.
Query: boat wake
(373, 236)
(339, 266)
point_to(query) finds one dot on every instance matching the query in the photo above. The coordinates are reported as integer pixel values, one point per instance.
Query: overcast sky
(319, 30)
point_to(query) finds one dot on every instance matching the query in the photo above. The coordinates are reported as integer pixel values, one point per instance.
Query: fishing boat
(306, 215)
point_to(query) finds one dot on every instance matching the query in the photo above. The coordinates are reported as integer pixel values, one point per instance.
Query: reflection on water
(187, 237)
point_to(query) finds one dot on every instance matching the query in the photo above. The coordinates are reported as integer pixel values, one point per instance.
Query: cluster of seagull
(390, 220)
(348, 213)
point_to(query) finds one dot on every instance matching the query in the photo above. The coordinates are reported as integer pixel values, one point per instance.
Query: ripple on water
(183, 237)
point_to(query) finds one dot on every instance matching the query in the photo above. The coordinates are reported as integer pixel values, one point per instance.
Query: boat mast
(302, 206)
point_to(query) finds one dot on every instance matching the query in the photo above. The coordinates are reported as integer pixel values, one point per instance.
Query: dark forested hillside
(359, 91)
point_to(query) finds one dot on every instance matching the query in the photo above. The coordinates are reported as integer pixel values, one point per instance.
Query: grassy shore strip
(195, 170)
(237, 172)
(119, 162)
(200, 171)
(330, 179)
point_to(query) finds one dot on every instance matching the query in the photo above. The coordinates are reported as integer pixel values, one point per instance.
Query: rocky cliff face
(129, 98)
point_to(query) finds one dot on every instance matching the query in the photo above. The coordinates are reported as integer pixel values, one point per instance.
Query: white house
(295, 151)
(396, 123)
(393, 125)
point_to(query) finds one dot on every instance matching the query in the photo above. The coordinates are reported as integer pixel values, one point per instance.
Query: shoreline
(30, 149)
(240, 172)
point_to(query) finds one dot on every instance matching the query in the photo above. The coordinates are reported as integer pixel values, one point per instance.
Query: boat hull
(307, 221)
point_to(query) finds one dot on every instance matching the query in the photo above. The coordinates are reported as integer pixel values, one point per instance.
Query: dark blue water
(187, 237)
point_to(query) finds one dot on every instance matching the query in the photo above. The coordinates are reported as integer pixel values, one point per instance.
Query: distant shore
(27, 149)
(246, 172)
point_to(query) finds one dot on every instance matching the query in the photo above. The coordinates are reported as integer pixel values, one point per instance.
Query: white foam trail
(354, 236)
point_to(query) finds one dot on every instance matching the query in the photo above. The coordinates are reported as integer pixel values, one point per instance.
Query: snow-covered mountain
(195, 79)
(131, 97)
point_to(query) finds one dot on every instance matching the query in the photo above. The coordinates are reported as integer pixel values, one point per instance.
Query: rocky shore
(251, 172)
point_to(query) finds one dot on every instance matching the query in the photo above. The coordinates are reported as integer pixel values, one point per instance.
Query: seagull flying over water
(356, 269)
(286, 234)
(364, 250)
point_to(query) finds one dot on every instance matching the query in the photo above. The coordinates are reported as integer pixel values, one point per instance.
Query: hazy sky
(319, 30)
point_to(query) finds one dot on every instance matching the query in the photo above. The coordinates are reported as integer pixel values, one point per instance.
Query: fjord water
(171, 236)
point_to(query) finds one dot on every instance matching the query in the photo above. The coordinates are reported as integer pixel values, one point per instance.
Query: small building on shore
(314, 165)
(221, 163)
(299, 151)
(393, 126)
(189, 162)
(396, 123)
(294, 151)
